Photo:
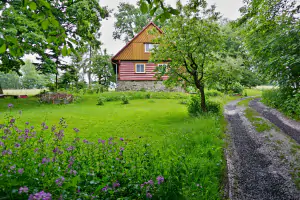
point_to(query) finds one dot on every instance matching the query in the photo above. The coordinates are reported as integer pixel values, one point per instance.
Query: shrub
(57, 98)
(125, 99)
(194, 106)
(213, 93)
(287, 103)
(100, 101)
(148, 96)
(236, 88)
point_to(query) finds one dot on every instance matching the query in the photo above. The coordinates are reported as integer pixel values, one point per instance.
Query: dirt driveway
(263, 154)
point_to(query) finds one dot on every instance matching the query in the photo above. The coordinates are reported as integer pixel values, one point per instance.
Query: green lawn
(149, 119)
(163, 123)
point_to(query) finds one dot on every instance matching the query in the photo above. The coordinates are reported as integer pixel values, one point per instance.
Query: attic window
(149, 47)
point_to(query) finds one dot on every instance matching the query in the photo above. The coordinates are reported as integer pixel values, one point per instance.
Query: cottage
(134, 72)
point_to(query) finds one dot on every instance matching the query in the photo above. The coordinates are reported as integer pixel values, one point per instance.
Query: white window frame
(136, 65)
(150, 47)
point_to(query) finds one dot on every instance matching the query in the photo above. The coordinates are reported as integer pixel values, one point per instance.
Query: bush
(125, 99)
(236, 88)
(287, 103)
(213, 93)
(194, 106)
(148, 96)
(101, 101)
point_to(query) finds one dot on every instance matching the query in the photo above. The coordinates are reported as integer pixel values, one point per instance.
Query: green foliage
(191, 41)
(54, 29)
(101, 101)
(131, 20)
(282, 100)
(103, 69)
(213, 93)
(236, 88)
(125, 99)
(148, 96)
(271, 36)
(194, 106)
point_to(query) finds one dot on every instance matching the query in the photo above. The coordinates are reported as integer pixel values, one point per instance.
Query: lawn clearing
(190, 149)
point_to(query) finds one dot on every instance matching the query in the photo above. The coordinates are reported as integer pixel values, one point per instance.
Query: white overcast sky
(228, 8)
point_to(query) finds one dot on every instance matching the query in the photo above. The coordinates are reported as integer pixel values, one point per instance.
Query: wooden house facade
(134, 72)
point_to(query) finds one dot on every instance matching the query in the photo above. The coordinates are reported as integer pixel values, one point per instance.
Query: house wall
(126, 72)
(155, 86)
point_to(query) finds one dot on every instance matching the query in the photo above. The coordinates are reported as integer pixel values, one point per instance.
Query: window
(140, 68)
(162, 68)
(149, 47)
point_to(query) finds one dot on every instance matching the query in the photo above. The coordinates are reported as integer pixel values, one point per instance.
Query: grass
(164, 123)
(245, 102)
(256, 120)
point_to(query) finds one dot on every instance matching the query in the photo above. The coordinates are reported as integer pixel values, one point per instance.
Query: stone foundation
(155, 86)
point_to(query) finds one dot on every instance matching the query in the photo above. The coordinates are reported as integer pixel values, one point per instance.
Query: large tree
(191, 43)
(271, 29)
(47, 28)
(131, 20)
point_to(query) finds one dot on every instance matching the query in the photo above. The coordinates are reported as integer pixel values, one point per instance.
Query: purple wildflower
(36, 150)
(12, 121)
(60, 134)
(21, 171)
(60, 181)
(32, 127)
(148, 195)
(17, 145)
(122, 139)
(55, 150)
(142, 185)
(74, 172)
(70, 148)
(26, 131)
(76, 130)
(116, 184)
(43, 124)
(53, 128)
(23, 190)
(26, 123)
(160, 179)
(10, 105)
(1, 144)
(105, 189)
(46, 127)
(150, 182)
(45, 160)
(85, 141)
(40, 196)
(101, 141)
(12, 167)
(122, 149)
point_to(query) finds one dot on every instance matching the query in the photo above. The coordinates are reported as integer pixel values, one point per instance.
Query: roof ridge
(145, 27)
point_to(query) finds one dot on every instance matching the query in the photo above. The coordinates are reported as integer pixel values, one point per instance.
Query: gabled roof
(151, 23)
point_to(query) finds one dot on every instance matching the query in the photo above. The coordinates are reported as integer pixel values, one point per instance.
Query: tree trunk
(1, 91)
(202, 96)
(56, 82)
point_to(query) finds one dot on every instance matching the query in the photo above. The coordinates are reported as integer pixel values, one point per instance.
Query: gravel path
(259, 164)
(292, 128)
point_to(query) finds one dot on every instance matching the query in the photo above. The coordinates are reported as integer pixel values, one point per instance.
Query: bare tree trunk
(56, 82)
(202, 96)
(1, 91)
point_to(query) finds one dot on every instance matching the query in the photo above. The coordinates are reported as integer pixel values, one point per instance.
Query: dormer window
(149, 47)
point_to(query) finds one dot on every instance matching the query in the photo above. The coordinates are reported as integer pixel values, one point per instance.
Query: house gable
(135, 49)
